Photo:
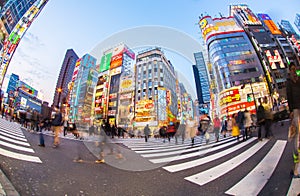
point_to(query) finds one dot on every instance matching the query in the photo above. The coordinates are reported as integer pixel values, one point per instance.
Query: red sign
(229, 96)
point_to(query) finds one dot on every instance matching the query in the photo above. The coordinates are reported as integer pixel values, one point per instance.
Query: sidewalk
(6, 187)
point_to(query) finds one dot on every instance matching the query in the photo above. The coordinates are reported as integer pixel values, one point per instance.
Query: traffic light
(249, 98)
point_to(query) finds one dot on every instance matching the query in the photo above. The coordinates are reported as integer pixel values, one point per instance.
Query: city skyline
(81, 27)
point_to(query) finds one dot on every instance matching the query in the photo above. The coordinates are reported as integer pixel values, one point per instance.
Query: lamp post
(59, 90)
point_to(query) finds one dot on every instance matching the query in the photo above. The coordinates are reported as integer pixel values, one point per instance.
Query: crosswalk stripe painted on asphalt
(12, 130)
(204, 151)
(253, 183)
(20, 134)
(16, 147)
(20, 156)
(181, 150)
(14, 141)
(13, 137)
(203, 160)
(154, 148)
(217, 171)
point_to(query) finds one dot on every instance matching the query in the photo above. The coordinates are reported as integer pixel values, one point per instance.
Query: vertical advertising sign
(270, 24)
(105, 62)
(17, 33)
(162, 104)
(244, 14)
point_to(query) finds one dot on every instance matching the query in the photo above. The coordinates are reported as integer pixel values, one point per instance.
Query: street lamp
(59, 90)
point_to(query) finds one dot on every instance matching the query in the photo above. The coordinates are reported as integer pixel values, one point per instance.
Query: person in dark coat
(293, 97)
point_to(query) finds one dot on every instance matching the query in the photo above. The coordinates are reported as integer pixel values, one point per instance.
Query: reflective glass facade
(233, 59)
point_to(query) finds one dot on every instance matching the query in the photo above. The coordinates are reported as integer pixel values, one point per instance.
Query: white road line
(176, 147)
(217, 171)
(203, 160)
(17, 131)
(294, 187)
(16, 147)
(13, 133)
(13, 137)
(20, 156)
(204, 148)
(14, 141)
(253, 183)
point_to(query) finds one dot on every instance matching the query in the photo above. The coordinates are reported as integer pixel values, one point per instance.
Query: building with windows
(202, 83)
(287, 26)
(155, 95)
(81, 98)
(65, 77)
(16, 18)
(297, 22)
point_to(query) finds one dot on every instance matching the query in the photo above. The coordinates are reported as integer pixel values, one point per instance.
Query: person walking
(247, 123)
(260, 118)
(240, 120)
(146, 132)
(217, 127)
(180, 132)
(191, 129)
(268, 118)
(293, 97)
(57, 123)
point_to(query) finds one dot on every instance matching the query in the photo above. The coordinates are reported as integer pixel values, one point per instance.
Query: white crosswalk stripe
(13, 143)
(183, 157)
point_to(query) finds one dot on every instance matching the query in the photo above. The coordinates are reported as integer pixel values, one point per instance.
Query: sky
(82, 25)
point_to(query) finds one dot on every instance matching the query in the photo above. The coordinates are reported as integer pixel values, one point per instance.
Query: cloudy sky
(82, 25)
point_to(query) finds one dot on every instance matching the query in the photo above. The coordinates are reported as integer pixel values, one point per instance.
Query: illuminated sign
(127, 84)
(269, 23)
(105, 62)
(274, 59)
(211, 26)
(244, 14)
(116, 61)
(229, 96)
(76, 69)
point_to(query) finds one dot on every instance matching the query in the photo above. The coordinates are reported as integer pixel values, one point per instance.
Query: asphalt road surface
(133, 167)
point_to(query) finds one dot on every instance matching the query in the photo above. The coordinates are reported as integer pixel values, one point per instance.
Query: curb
(6, 187)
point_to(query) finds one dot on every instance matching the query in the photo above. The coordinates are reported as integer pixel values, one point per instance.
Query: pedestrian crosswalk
(185, 159)
(13, 143)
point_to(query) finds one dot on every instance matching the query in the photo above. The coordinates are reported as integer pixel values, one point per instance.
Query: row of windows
(216, 48)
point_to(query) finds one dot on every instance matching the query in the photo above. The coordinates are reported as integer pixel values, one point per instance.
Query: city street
(153, 168)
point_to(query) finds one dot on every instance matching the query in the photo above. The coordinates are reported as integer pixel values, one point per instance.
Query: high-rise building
(155, 95)
(287, 26)
(82, 96)
(297, 21)
(64, 77)
(201, 79)
(16, 18)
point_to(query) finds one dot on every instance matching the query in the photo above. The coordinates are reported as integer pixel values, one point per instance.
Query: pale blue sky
(81, 25)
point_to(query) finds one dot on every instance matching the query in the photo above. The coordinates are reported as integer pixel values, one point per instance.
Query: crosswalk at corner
(184, 157)
(14, 144)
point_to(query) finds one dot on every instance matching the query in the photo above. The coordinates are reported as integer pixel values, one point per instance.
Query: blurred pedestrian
(180, 132)
(235, 127)
(247, 123)
(224, 127)
(293, 97)
(260, 118)
(217, 127)
(57, 123)
(163, 132)
(191, 129)
(268, 118)
(240, 120)
(147, 132)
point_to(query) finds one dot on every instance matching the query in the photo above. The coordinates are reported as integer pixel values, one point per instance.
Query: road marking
(215, 172)
(20, 156)
(205, 150)
(14, 141)
(16, 147)
(13, 133)
(13, 137)
(203, 160)
(253, 183)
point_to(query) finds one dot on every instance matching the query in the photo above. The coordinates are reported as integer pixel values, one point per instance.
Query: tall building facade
(287, 26)
(65, 77)
(155, 96)
(297, 22)
(202, 82)
(16, 18)
(82, 95)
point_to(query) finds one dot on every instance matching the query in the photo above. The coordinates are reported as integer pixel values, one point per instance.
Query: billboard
(116, 61)
(210, 27)
(127, 84)
(273, 59)
(244, 14)
(105, 62)
(76, 69)
(10, 43)
(28, 89)
(270, 24)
